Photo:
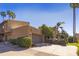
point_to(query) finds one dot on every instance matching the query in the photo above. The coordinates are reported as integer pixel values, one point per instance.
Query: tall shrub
(24, 42)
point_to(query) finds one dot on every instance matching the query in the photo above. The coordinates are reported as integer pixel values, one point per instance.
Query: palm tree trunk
(8, 17)
(3, 17)
(74, 25)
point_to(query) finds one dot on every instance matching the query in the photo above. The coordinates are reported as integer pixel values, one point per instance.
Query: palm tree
(3, 14)
(11, 14)
(57, 27)
(74, 6)
(64, 35)
(59, 24)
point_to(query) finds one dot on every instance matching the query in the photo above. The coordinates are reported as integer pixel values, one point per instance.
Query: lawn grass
(75, 44)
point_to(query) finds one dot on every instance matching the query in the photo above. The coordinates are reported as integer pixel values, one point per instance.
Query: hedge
(22, 42)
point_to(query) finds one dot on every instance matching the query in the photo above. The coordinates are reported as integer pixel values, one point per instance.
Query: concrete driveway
(13, 50)
(51, 50)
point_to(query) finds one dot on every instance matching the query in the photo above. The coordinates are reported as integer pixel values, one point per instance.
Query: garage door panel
(36, 38)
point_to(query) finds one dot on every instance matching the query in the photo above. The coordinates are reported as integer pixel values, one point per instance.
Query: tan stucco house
(12, 29)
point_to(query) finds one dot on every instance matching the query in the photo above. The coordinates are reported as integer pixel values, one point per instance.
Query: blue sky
(38, 14)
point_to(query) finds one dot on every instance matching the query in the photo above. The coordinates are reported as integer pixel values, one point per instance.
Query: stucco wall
(19, 32)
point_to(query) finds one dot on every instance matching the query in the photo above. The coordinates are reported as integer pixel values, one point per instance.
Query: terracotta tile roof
(14, 24)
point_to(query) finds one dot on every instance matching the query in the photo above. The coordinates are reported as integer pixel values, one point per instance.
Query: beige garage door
(36, 38)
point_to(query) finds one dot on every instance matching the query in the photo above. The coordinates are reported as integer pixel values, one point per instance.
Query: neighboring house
(12, 29)
(77, 35)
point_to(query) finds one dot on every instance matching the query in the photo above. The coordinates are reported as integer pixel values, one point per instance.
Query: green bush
(70, 39)
(13, 41)
(77, 40)
(78, 52)
(24, 42)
